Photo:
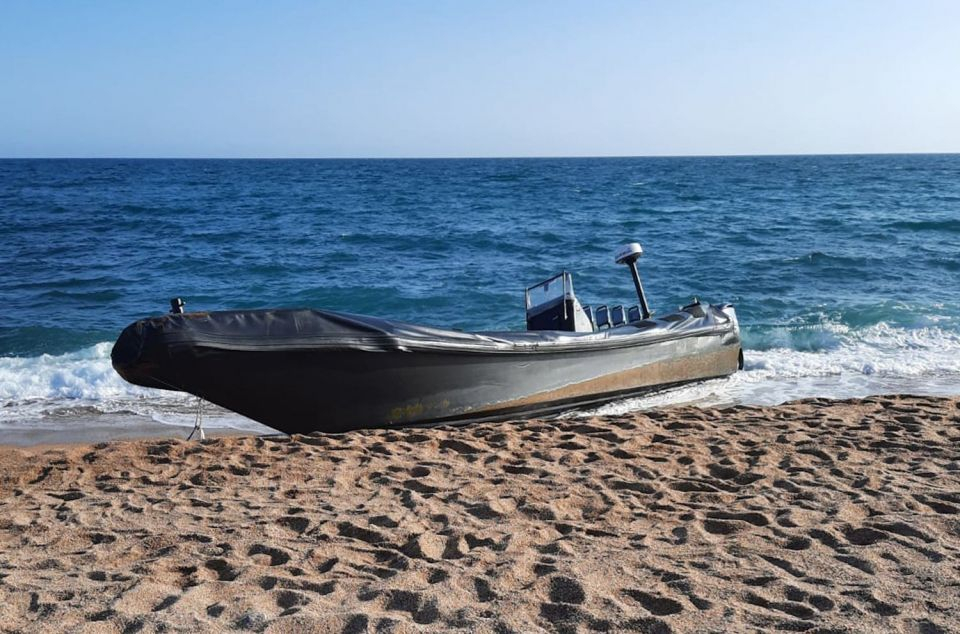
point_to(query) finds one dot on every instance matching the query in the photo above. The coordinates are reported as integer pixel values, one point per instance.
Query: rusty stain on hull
(719, 363)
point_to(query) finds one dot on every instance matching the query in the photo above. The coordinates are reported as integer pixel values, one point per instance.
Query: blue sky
(449, 78)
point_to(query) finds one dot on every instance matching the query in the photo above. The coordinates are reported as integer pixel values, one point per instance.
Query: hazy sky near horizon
(497, 78)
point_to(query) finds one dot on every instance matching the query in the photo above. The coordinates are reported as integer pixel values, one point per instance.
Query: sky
(473, 79)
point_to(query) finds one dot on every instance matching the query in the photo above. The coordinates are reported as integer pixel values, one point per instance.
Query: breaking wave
(846, 363)
(83, 384)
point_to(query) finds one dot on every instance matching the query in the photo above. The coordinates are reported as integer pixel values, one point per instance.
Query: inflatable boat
(304, 370)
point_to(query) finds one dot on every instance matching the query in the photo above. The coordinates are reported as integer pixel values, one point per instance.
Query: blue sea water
(845, 270)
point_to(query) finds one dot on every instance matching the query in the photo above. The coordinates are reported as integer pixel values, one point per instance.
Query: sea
(844, 270)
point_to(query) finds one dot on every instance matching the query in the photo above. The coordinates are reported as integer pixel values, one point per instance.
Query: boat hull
(302, 389)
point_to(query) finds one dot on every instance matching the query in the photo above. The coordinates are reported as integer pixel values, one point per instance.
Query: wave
(85, 374)
(951, 226)
(49, 390)
(819, 258)
(826, 328)
(881, 350)
(879, 359)
(101, 296)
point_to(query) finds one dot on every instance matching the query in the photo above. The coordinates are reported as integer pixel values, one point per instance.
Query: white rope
(198, 422)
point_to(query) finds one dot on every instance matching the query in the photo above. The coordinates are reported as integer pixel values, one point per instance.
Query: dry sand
(811, 516)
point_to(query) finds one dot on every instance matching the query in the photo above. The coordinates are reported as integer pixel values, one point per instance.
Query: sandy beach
(817, 515)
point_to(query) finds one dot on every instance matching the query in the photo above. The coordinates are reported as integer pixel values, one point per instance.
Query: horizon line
(459, 158)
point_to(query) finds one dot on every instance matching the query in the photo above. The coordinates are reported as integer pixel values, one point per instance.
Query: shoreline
(83, 434)
(814, 515)
(82, 429)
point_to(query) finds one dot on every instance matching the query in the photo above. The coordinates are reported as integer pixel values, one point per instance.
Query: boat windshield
(551, 305)
(549, 291)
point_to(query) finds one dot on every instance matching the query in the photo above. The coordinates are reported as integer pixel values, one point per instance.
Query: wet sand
(817, 515)
(89, 431)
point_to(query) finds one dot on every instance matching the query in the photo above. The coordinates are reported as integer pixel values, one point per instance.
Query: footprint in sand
(295, 523)
(166, 603)
(277, 557)
(864, 536)
(484, 592)
(798, 543)
(419, 472)
(352, 531)
(544, 568)
(420, 487)
(727, 523)
(787, 607)
(566, 590)
(858, 563)
(436, 576)
(655, 603)
(459, 447)
(286, 599)
(423, 611)
(225, 571)
(356, 624)
(384, 521)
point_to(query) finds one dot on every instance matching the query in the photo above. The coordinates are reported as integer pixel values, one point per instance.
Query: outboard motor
(629, 254)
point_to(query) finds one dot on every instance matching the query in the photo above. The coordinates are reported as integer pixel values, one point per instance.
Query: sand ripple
(814, 516)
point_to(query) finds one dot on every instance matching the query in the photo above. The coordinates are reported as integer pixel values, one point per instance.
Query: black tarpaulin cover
(297, 329)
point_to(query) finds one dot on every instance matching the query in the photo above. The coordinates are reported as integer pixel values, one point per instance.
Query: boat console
(552, 305)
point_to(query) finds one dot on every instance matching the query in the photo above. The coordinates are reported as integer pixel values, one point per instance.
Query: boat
(308, 370)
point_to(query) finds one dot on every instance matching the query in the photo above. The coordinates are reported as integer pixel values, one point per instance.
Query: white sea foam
(876, 360)
(879, 359)
(85, 374)
(49, 388)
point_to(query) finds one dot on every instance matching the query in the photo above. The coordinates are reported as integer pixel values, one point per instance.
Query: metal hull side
(339, 390)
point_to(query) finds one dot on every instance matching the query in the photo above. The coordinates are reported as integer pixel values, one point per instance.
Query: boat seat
(603, 317)
(589, 312)
(617, 317)
(633, 314)
(694, 309)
